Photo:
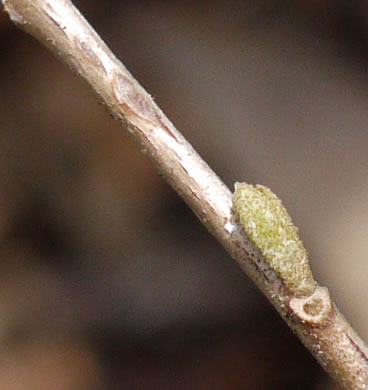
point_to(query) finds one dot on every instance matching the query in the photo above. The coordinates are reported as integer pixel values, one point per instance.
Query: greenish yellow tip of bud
(268, 224)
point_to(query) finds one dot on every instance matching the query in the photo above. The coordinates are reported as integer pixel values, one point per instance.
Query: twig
(312, 316)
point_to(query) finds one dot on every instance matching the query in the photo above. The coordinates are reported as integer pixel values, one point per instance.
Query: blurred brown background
(107, 281)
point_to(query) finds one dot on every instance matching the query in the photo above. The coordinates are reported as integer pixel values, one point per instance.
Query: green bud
(268, 224)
